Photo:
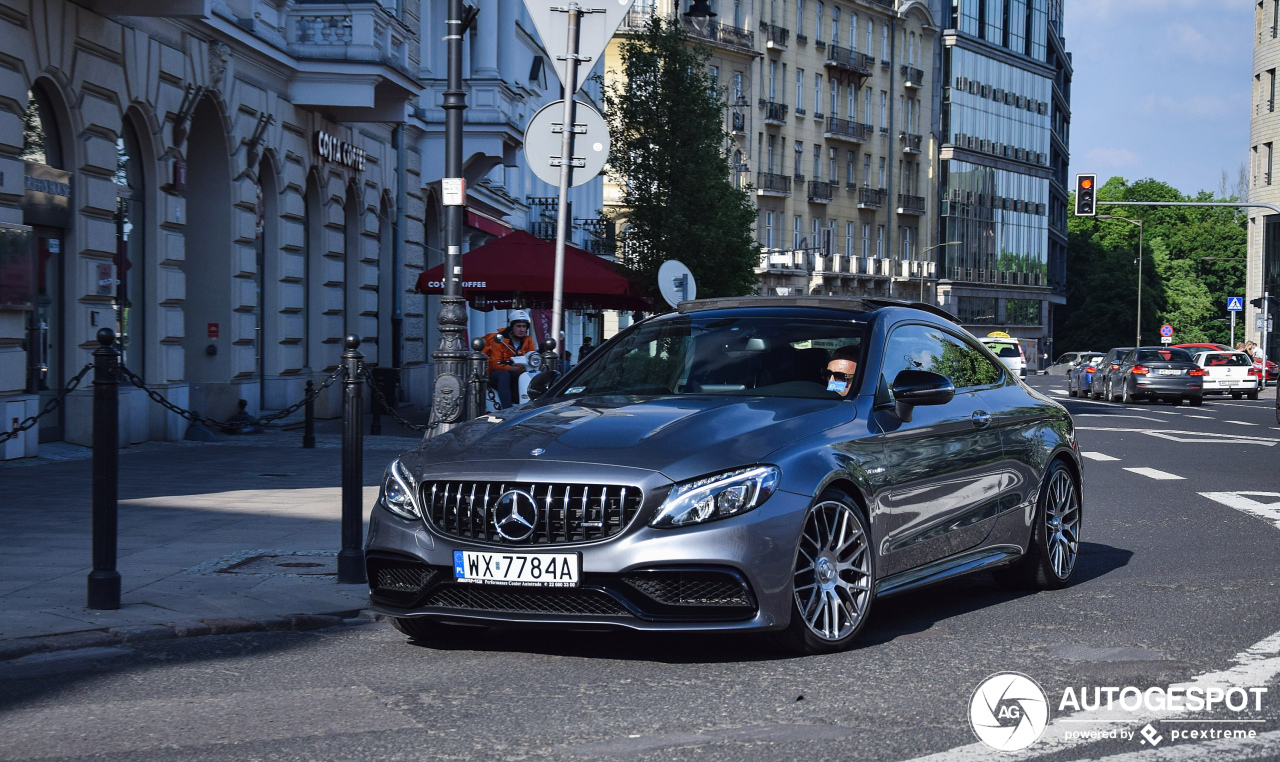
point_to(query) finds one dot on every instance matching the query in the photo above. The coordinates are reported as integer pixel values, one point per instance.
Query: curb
(19, 647)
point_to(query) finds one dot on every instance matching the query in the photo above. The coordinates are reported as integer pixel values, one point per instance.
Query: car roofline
(845, 303)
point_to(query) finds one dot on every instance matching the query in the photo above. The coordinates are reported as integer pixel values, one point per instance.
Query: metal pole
(351, 557)
(104, 580)
(1266, 314)
(1139, 342)
(479, 379)
(450, 356)
(566, 168)
(1233, 328)
(309, 419)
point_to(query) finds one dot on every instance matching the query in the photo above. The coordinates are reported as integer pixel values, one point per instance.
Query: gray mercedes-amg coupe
(750, 464)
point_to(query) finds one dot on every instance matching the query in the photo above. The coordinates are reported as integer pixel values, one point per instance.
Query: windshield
(1225, 359)
(1163, 355)
(740, 356)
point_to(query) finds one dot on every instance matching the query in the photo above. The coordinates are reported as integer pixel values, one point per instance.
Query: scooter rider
(501, 346)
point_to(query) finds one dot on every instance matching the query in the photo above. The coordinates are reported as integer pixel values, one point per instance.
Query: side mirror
(920, 387)
(539, 384)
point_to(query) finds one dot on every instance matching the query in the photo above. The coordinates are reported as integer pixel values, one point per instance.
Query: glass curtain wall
(1000, 216)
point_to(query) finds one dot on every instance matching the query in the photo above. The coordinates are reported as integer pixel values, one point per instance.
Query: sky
(1161, 89)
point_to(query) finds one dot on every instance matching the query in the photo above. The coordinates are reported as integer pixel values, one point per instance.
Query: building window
(713, 75)
(884, 43)
(907, 250)
(848, 239)
(799, 91)
(866, 108)
(817, 93)
(866, 169)
(831, 165)
(737, 88)
(882, 168)
(799, 16)
(799, 160)
(871, 25)
(866, 240)
(773, 76)
(835, 98)
(1266, 178)
(817, 27)
(815, 238)
(796, 223)
(976, 310)
(884, 111)
(835, 27)
(1271, 92)
(773, 146)
(849, 178)
(768, 230)
(851, 95)
(817, 162)
(1022, 312)
(853, 30)
(879, 241)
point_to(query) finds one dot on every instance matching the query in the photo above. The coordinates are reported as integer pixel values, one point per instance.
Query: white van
(1009, 350)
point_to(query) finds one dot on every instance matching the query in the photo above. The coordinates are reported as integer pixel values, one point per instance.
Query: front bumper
(731, 574)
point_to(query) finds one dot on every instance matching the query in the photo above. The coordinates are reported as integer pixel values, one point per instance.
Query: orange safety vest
(501, 347)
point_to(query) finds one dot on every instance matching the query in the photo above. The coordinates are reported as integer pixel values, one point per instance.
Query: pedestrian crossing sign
(1235, 303)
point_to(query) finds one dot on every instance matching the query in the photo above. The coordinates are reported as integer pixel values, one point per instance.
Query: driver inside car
(840, 370)
(501, 347)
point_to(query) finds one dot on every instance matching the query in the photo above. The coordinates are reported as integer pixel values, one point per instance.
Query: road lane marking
(1153, 473)
(1245, 503)
(1058, 391)
(1117, 415)
(1201, 417)
(1261, 746)
(1096, 456)
(1241, 423)
(1175, 435)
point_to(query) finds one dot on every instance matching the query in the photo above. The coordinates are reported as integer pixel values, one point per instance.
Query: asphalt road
(1177, 584)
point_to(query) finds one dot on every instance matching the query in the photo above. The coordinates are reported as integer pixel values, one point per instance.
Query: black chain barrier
(49, 406)
(192, 417)
(389, 408)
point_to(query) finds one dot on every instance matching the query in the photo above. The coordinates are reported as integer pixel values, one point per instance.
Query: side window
(921, 347)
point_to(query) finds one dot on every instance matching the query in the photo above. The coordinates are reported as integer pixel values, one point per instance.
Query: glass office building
(1002, 120)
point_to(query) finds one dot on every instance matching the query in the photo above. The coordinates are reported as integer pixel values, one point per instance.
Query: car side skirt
(947, 568)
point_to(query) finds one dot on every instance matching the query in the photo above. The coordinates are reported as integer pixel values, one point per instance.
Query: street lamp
(1138, 338)
(926, 251)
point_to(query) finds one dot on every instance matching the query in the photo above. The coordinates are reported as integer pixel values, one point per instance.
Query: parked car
(1009, 350)
(1109, 367)
(1229, 373)
(1273, 370)
(1160, 373)
(765, 464)
(1080, 378)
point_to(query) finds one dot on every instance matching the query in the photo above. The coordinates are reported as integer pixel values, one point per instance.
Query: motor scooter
(532, 363)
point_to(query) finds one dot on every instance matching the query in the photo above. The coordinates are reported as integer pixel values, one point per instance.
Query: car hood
(680, 437)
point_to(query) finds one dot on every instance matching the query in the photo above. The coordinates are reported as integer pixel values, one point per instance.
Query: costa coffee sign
(330, 148)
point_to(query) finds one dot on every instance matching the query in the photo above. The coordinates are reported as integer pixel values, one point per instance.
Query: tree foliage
(666, 127)
(1193, 259)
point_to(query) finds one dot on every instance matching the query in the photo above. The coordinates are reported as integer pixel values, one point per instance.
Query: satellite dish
(675, 282)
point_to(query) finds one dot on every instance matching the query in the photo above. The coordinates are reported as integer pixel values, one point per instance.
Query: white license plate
(523, 569)
(1170, 372)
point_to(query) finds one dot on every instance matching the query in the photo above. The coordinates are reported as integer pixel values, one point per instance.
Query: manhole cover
(315, 564)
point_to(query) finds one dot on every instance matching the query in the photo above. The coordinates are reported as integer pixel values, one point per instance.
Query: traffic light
(1085, 190)
(1273, 304)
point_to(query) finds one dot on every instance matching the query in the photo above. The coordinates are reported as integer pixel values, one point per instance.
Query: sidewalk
(234, 535)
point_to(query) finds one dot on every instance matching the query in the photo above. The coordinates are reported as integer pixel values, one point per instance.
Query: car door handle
(981, 419)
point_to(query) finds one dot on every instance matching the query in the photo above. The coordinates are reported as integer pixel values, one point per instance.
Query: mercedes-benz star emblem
(515, 515)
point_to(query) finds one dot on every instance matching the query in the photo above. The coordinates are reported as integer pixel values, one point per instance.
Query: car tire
(1176, 401)
(833, 577)
(1071, 392)
(1236, 395)
(1054, 547)
(1196, 401)
(1126, 396)
(429, 631)
(1253, 395)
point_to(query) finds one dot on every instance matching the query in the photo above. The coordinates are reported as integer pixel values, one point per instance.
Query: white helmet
(518, 316)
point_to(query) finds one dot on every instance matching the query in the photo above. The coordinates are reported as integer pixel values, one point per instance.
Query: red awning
(523, 265)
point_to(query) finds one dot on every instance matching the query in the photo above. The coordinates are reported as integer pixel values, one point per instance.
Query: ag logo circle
(515, 515)
(1009, 711)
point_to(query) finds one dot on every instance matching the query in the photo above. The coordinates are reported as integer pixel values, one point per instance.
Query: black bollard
(351, 557)
(104, 580)
(550, 360)
(309, 419)
(478, 383)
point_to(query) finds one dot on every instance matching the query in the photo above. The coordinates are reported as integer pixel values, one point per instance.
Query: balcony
(771, 184)
(364, 32)
(786, 262)
(844, 63)
(819, 192)
(738, 123)
(775, 37)
(910, 204)
(774, 113)
(914, 270)
(910, 143)
(723, 35)
(843, 129)
(870, 198)
(911, 76)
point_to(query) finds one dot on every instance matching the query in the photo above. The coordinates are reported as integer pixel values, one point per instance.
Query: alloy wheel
(1062, 523)
(832, 577)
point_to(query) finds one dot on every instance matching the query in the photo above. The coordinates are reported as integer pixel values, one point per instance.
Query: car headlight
(397, 492)
(718, 496)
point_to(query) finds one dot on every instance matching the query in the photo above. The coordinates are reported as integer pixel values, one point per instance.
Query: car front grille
(691, 588)
(567, 513)
(559, 602)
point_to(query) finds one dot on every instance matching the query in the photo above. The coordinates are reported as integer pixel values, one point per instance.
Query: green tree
(1193, 259)
(666, 127)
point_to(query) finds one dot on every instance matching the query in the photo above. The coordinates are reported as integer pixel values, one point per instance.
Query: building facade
(1264, 138)
(1004, 113)
(222, 182)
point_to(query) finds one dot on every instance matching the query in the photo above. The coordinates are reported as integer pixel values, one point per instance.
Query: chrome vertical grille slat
(570, 513)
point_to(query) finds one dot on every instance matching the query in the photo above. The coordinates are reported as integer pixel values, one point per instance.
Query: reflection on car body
(703, 476)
